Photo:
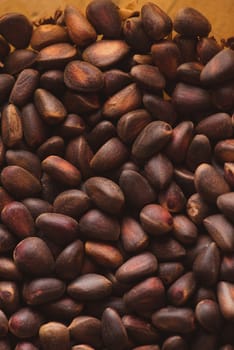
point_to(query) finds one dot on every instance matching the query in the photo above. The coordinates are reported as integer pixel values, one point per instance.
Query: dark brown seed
(101, 133)
(166, 56)
(24, 159)
(48, 34)
(18, 60)
(7, 240)
(167, 249)
(16, 29)
(172, 319)
(37, 206)
(69, 261)
(187, 98)
(208, 315)
(172, 198)
(209, 183)
(156, 220)
(219, 69)
(11, 125)
(9, 297)
(112, 329)
(3, 325)
(148, 77)
(42, 290)
(224, 151)
(225, 203)
(216, 127)
(106, 194)
(79, 29)
(126, 100)
(169, 272)
(225, 293)
(157, 106)
(105, 18)
(52, 80)
(73, 203)
(115, 80)
(151, 140)
(159, 171)
(189, 73)
(199, 151)
(184, 230)
(110, 156)
(25, 323)
(49, 107)
(197, 208)
(97, 225)
(155, 21)
(18, 219)
(104, 254)
(56, 56)
(141, 331)
(54, 335)
(58, 227)
(20, 182)
(137, 191)
(203, 241)
(72, 126)
(33, 257)
(190, 22)
(62, 171)
(221, 231)
(87, 330)
(223, 96)
(131, 124)
(145, 296)
(62, 309)
(174, 343)
(7, 82)
(90, 287)
(137, 268)
(105, 53)
(135, 35)
(182, 289)
(133, 238)
(207, 48)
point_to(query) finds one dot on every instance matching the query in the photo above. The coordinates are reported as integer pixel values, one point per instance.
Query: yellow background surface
(220, 12)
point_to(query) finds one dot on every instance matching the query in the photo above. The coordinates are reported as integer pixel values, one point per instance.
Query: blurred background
(220, 12)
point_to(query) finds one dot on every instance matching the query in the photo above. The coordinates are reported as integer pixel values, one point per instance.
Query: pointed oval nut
(224, 151)
(221, 231)
(62, 171)
(133, 237)
(115, 80)
(169, 272)
(42, 290)
(175, 342)
(148, 77)
(110, 156)
(135, 35)
(24, 87)
(54, 335)
(106, 194)
(97, 225)
(184, 230)
(16, 29)
(182, 289)
(11, 125)
(151, 140)
(112, 329)
(126, 100)
(208, 314)
(58, 227)
(105, 53)
(137, 190)
(225, 203)
(156, 22)
(18, 60)
(105, 17)
(69, 262)
(56, 56)
(33, 257)
(90, 286)
(190, 22)
(225, 292)
(20, 182)
(48, 34)
(105, 255)
(52, 80)
(173, 319)
(140, 330)
(145, 296)
(7, 83)
(172, 198)
(167, 249)
(131, 124)
(25, 159)
(156, 106)
(64, 309)
(83, 76)
(25, 323)
(216, 127)
(50, 108)
(219, 69)
(53, 145)
(206, 49)
(199, 151)
(73, 203)
(209, 183)
(79, 29)
(136, 268)
(156, 220)
(87, 330)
